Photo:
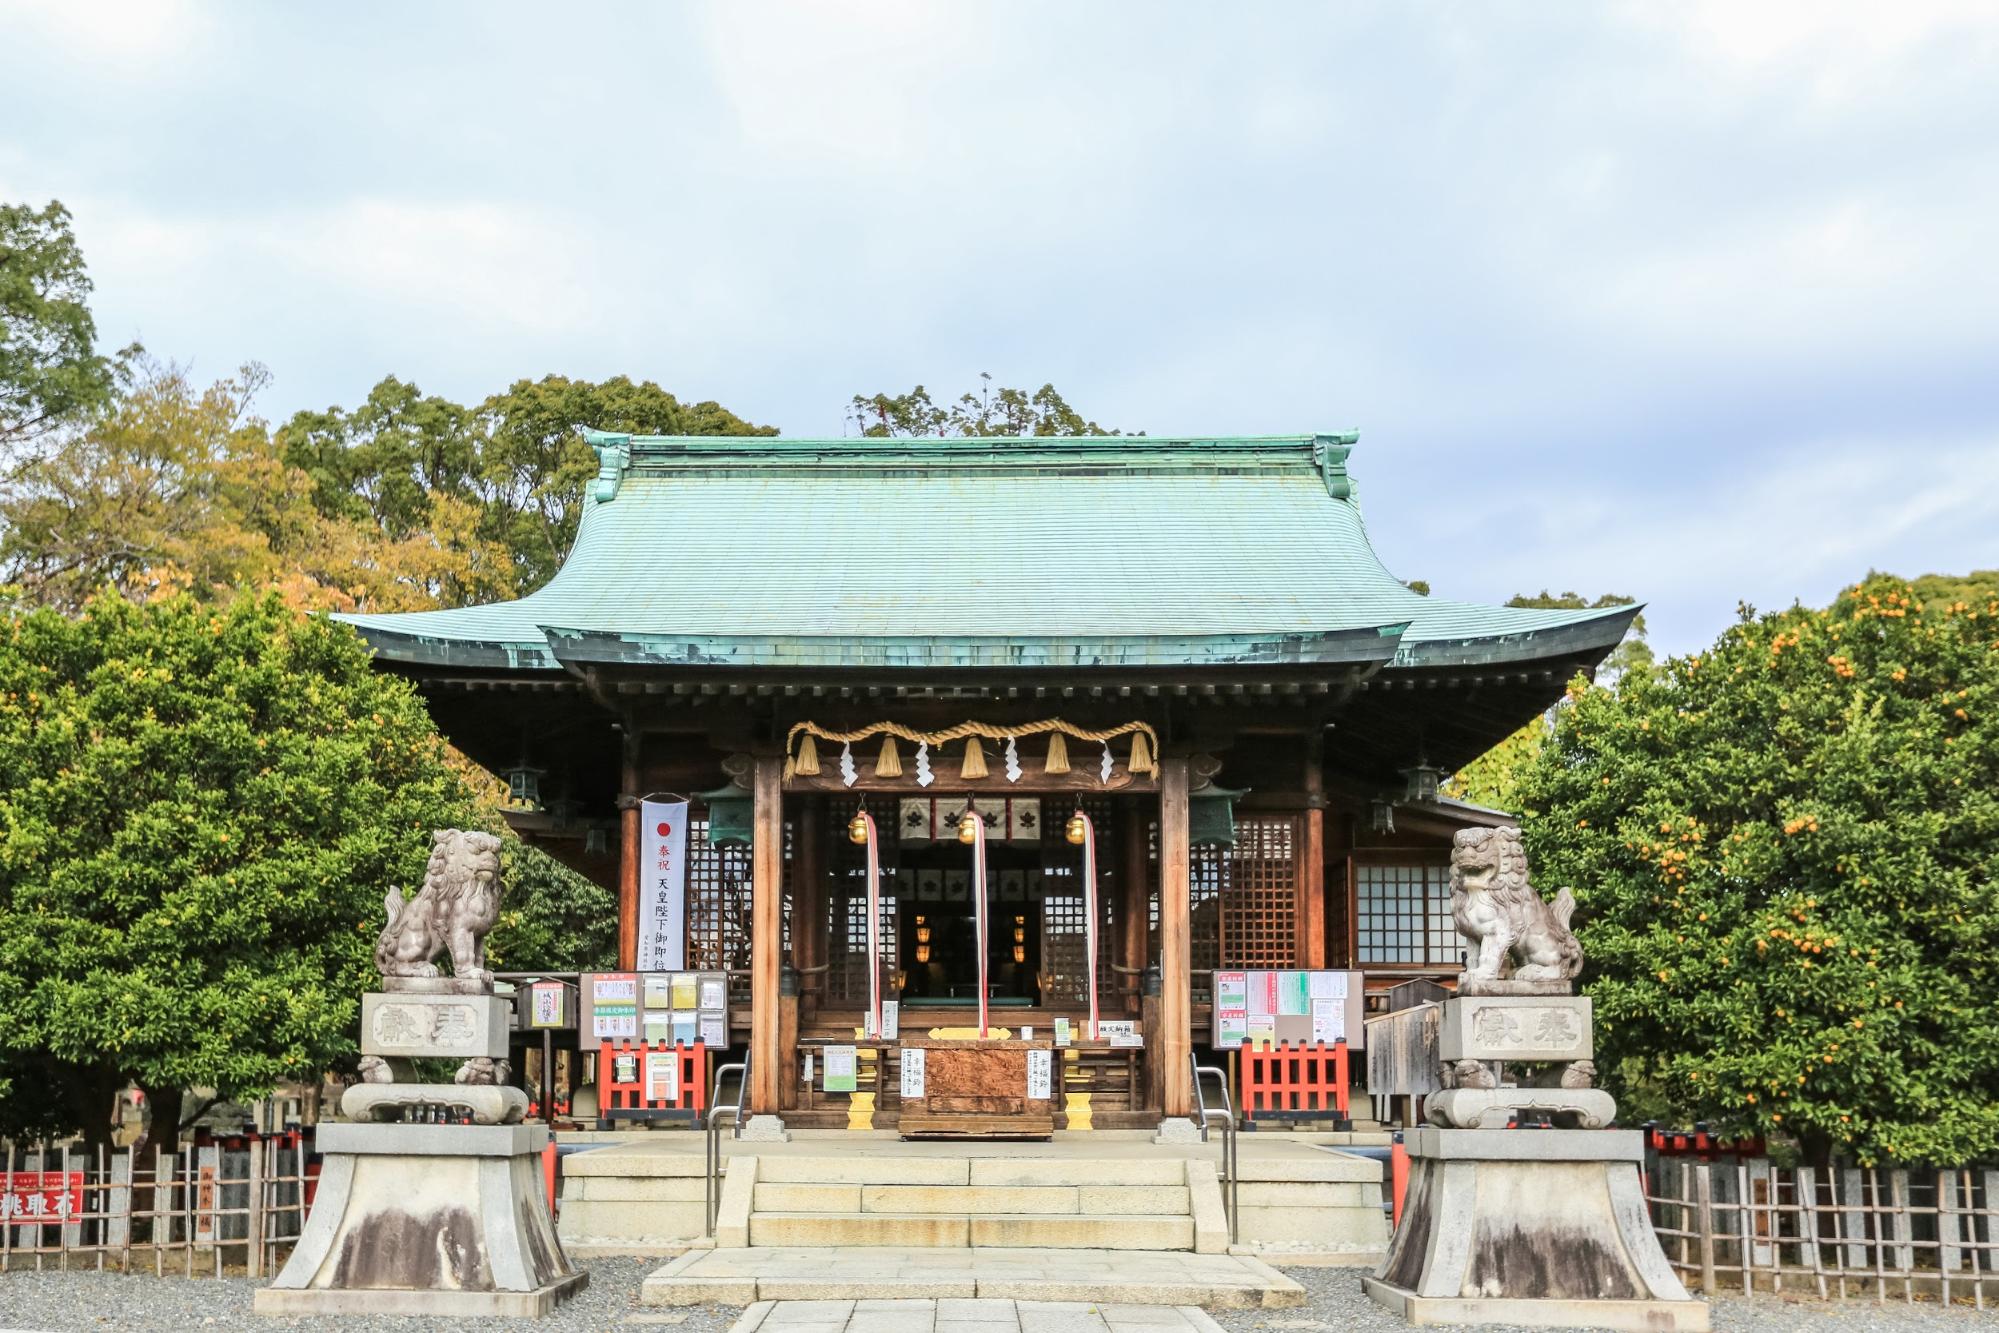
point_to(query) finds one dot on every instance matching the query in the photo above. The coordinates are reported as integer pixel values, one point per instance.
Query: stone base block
(765, 1129)
(1626, 1316)
(443, 1304)
(1482, 1108)
(1515, 1027)
(1538, 1227)
(426, 1220)
(1177, 1130)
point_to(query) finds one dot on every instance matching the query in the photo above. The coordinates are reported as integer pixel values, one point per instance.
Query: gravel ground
(54, 1301)
(76, 1300)
(1337, 1302)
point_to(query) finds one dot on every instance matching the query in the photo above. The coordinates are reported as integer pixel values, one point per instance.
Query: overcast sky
(1693, 301)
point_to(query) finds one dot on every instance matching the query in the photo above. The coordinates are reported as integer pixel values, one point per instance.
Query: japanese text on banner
(663, 886)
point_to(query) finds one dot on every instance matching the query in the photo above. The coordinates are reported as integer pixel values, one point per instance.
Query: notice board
(1262, 1008)
(677, 1007)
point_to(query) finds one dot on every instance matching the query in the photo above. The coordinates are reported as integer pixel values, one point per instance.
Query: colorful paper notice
(1062, 1036)
(711, 1032)
(662, 1076)
(658, 1025)
(1262, 994)
(1040, 1075)
(546, 997)
(1260, 1031)
(1232, 990)
(684, 991)
(1329, 985)
(1294, 993)
(615, 988)
(659, 992)
(1329, 1020)
(1231, 1029)
(912, 1073)
(840, 1063)
(686, 1029)
(714, 994)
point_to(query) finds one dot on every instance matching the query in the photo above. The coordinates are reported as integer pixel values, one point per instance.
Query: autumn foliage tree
(1786, 854)
(202, 810)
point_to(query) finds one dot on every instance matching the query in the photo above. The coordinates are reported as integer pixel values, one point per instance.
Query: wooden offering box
(978, 1089)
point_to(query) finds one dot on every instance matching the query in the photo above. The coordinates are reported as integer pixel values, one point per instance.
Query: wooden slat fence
(1841, 1233)
(229, 1204)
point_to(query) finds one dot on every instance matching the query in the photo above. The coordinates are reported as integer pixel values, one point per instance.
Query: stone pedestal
(1543, 1228)
(426, 1220)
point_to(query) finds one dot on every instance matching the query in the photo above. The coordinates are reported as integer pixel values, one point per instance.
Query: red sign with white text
(40, 1197)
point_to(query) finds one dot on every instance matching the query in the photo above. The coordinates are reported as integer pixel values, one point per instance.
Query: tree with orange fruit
(1786, 854)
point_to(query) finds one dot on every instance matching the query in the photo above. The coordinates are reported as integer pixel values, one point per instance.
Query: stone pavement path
(970, 1316)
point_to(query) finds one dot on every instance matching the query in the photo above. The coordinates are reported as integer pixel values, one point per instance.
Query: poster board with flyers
(681, 1008)
(1263, 1008)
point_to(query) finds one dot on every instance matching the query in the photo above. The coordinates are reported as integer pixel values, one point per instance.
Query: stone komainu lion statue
(459, 903)
(1510, 931)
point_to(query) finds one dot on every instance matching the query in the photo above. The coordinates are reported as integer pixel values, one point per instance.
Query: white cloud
(127, 35)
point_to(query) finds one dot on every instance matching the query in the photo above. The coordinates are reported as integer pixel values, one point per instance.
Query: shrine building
(1190, 641)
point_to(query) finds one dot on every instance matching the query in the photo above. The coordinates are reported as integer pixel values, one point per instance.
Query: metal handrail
(1227, 1113)
(712, 1158)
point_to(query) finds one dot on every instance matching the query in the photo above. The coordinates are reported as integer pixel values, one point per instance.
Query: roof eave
(1592, 638)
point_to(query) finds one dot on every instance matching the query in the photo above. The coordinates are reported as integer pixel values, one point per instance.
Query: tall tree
(984, 412)
(1785, 852)
(50, 371)
(536, 464)
(1493, 779)
(204, 809)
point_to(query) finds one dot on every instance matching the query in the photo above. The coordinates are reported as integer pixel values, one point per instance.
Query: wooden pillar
(1176, 1035)
(766, 929)
(1312, 859)
(1134, 901)
(628, 853)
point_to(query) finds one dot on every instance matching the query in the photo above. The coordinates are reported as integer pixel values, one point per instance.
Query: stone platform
(874, 1273)
(428, 1220)
(1301, 1199)
(917, 1316)
(1535, 1227)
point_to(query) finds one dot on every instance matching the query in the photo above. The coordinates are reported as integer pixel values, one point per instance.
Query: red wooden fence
(1306, 1081)
(621, 1081)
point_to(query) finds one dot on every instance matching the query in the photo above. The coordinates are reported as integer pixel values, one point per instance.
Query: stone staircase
(942, 1202)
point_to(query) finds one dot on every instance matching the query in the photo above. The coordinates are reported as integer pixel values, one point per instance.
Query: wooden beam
(1176, 1036)
(1312, 858)
(766, 929)
(628, 855)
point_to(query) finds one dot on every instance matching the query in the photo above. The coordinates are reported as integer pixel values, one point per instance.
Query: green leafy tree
(1786, 855)
(1493, 779)
(202, 811)
(386, 461)
(535, 463)
(50, 371)
(987, 412)
(551, 918)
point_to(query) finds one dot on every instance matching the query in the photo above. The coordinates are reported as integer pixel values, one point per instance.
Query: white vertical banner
(662, 886)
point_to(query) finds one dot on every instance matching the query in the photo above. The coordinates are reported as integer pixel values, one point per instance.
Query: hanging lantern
(1019, 935)
(968, 826)
(1076, 830)
(857, 830)
(1422, 781)
(595, 840)
(923, 934)
(1019, 953)
(524, 786)
(1381, 816)
(922, 953)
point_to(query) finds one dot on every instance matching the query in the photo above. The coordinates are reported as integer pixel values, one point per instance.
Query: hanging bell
(1077, 830)
(858, 829)
(968, 826)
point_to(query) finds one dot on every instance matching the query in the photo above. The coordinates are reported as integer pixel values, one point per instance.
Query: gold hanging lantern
(858, 829)
(968, 826)
(1076, 830)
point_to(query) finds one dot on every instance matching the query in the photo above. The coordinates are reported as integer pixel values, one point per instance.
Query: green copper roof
(1110, 551)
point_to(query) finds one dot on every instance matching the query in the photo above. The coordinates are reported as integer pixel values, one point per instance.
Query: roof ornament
(1330, 453)
(614, 455)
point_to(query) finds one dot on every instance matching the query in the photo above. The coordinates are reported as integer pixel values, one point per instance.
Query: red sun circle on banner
(664, 828)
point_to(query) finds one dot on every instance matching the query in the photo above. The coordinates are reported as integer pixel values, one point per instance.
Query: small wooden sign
(977, 1089)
